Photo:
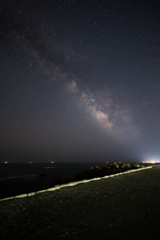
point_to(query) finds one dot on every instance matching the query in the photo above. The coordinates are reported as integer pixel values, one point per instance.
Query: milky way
(80, 78)
(105, 107)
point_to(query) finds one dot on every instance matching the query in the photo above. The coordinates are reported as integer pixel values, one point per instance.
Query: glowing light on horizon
(52, 162)
(30, 162)
(151, 161)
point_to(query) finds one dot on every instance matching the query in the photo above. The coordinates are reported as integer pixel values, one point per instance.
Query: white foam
(116, 174)
(31, 194)
(105, 177)
(21, 195)
(95, 179)
(41, 191)
(51, 189)
(3, 199)
(72, 184)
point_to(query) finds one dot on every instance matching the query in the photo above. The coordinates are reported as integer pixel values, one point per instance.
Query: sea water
(19, 178)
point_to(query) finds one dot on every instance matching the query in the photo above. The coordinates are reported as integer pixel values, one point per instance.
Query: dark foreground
(122, 207)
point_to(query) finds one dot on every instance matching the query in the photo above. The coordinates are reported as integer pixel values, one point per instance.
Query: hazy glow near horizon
(151, 161)
(74, 89)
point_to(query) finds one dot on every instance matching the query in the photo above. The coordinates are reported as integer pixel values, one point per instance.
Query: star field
(80, 80)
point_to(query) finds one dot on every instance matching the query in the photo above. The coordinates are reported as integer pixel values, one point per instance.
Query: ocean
(20, 178)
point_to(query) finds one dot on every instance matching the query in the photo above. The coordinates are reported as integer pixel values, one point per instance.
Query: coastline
(126, 206)
(73, 181)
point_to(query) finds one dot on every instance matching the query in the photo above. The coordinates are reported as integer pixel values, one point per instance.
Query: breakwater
(113, 171)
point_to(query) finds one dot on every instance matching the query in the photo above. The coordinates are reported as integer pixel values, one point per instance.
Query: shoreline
(124, 207)
(59, 186)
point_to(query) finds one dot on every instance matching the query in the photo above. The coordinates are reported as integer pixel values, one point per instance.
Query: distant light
(30, 162)
(152, 161)
(5, 162)
(106, 162)
(52, 162)
(119, 162)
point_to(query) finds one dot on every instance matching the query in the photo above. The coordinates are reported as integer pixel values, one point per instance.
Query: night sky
(79, 80)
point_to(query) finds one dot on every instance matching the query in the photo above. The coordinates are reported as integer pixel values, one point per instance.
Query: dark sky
(79, 80)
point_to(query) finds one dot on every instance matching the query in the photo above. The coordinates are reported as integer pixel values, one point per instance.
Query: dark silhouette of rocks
(99, 171)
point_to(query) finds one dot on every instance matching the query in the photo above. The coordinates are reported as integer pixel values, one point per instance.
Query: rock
(142, 166)
(104, 166)
(42, 175)
(96, 167)
(117, 166)
(109, 171)
(111, 165)
(136, 165)
(96, 171)
(114, 170)
(104, 171)
(146, 165)
(128, 165)
(122, 166)
(57, 181)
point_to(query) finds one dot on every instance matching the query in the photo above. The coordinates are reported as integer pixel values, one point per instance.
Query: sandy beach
(122, 207)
